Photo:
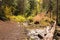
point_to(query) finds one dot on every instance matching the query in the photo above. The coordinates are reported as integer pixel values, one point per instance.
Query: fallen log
(44, 34)
(49, 35)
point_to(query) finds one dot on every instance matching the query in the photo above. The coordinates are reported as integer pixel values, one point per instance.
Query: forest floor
(14, 31)
(11, 31)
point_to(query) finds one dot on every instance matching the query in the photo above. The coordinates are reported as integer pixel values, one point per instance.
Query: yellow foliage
(30, 17)
(43, 19)
(7, 11)
(43, 23)
(33, 12)
(47, 18)
(38, 7)
(21, 18)
(17, 18)
(39, 0)
(46, 21)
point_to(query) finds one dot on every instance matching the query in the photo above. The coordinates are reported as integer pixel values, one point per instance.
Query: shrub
(30, 18)
(18, 18)
(7, 11)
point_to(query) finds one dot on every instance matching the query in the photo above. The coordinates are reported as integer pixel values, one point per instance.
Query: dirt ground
(11, 31)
